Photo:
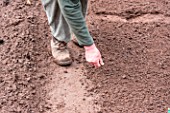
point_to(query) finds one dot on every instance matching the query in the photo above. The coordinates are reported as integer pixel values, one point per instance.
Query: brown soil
(30, 81)
(134, 38)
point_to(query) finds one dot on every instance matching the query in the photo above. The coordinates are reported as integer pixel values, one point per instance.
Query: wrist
(91, 47)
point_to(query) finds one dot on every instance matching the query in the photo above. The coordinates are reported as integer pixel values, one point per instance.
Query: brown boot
(60, 52)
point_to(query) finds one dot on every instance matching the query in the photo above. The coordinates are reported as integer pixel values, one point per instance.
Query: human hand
(93, 56)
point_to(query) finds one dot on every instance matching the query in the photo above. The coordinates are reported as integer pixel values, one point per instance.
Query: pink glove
(93, 56)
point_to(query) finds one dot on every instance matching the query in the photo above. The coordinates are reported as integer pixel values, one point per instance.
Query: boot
(60, 52)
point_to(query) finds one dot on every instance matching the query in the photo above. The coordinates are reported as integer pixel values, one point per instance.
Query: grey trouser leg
(58, 25)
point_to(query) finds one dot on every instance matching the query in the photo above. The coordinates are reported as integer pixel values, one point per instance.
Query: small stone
(33, 92)
(124, 76)
(21, 102)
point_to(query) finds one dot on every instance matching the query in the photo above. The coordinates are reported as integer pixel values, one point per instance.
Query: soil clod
(1, 41)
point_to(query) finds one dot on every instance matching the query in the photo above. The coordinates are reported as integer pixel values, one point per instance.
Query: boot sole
(68, 63)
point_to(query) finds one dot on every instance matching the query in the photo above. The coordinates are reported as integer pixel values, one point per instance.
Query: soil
(133, 37)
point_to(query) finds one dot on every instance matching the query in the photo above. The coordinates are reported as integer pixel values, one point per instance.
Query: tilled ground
(30, 82)
(134, 38)
(21, 57)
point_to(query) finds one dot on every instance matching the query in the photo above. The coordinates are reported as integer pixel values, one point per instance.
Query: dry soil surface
(133, 37)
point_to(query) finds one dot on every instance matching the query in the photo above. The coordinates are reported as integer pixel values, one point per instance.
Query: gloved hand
(93, 56)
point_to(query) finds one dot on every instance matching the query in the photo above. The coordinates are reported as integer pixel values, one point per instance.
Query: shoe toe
(64, 62)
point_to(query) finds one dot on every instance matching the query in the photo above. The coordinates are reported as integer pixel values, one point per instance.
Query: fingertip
(101, 62)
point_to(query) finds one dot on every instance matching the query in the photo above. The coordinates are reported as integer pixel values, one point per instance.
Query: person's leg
(72, 12)
(60, 31)
(84, 4)
(59, 27)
